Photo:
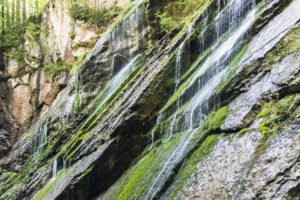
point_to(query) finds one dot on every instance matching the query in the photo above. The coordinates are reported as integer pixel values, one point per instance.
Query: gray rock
(240, 114)
(237, 170)
(273, 32)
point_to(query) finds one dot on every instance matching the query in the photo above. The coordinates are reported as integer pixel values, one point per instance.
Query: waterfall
(178, 65)
(152, 135)
(41, 137)
(54, 169)
(231, 26)
(127, 30)
(218, 57)
(122, 58)
(118, 79)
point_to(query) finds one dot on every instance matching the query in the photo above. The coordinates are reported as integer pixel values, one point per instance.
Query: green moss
(273, 113)
(290, 44)
(190, 164)
(133, 184)
(99, 107)
(187, 77)
(27, 136)
(287, 102)
(242, 132)
(139, 177)
(195, 64)
(167, 23)
(45, 189)
(76, 104)
(234, 64)
(8, 176)
(215, 119)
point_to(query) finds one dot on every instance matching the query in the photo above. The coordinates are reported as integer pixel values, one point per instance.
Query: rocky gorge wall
(28, 90)
(208, 111)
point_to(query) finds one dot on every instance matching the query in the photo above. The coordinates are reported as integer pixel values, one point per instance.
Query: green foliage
(32, 30)
(167, 22)
(99, 17)
(12, 39)
(12, 36)
(53, 69)
(273, 113)
(178, 13)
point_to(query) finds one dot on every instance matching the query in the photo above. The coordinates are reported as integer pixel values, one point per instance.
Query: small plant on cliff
(99, 17)
(32, 31)
(166, 22)
(178, 12)
(53, 69)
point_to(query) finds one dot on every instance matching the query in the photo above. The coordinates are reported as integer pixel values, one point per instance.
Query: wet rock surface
(280, 76)
(90, 145)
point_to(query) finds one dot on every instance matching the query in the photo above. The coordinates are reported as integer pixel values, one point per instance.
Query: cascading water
(231, 26)
(128, 31)
(178, 66)
(153, 133)
(123, 59)
(119, 78)
(54, 169)
(41, 139)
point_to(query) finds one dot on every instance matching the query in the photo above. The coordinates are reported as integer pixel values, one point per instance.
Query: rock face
(248, 174)
(29, 90)
(209, 110)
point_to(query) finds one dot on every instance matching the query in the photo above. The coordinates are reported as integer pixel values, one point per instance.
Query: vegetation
(178, 13)
(53, 69)
(290, 44)
(273, 113)
(190, 164)
(94, 16)
(45, 189)
(137, 179)
(215, 119)
(98, 108)
(242, 132)
(18, 17)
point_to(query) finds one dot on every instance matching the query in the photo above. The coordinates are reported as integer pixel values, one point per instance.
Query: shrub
(54, 69)
(93, 16)
(166, 22)
(32, 30)
(177, 13)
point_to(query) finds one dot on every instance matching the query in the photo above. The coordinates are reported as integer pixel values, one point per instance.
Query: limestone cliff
(193, 99)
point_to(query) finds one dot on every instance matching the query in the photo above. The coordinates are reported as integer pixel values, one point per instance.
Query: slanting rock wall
(99, 139)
